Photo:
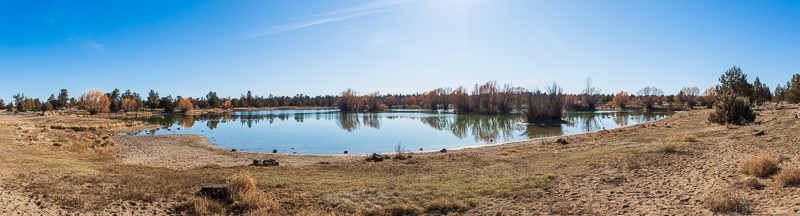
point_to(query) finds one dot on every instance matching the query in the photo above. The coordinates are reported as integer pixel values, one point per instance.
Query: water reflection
(318, 128)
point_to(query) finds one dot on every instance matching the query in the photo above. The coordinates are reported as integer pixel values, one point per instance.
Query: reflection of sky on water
(332, 132)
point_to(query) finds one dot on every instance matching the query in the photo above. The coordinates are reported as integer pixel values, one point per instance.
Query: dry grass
(445, 206)
(424, 184)
(759, 166)
(688, 138)
(668, 147)
(748, 182)
(726, 201)
(397, 210)
(788, 177)
(246, 197)
(401, 153)
(200, 206)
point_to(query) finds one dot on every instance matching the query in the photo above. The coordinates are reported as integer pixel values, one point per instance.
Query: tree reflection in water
(485, 128)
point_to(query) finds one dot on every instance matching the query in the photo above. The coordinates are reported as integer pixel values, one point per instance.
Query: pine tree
(734, 97)
(63, 99)
(734, 82)
(152, 99)
(792, 90)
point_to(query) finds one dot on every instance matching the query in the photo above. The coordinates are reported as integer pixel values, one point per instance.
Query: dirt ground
(638, 170)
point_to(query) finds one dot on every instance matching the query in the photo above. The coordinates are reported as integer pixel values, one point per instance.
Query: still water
(333, 132)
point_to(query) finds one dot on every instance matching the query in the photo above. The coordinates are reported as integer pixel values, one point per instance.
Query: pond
(333, 132)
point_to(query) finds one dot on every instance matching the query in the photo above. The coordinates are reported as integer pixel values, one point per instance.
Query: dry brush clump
(728, 200)
(748, 182)
(544, 107)
(759, 166)
(488, 98)
(688, 138)
(246, 197)
(788, 177)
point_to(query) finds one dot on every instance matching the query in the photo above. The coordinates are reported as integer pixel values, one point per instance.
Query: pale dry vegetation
(788, 177)
(760, 166)
(727, 200)
(688, 138)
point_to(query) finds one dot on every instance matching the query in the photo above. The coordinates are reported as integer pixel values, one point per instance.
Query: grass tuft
(726, 201)
(398, 210)
(246, 197)
(445, 206)
(759, 166)
(688, 138)
(748, 182)
(788, 177)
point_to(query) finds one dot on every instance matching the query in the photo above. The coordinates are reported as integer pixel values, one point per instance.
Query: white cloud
(91, 45)
(362, 9)
(94, 46)
(290, 27)
(366, 7)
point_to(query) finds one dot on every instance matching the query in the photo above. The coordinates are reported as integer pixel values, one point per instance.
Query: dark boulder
(444, 150)
(345, 152)
(256, 162)
(562, 141)
(216, 191)
(376, 157)
(274, 151)
(760, 133)
(270, 162)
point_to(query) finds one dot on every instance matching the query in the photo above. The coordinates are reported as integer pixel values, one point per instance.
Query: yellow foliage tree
(128, 104)
(226, 104)
(94, 101)
(185, 105)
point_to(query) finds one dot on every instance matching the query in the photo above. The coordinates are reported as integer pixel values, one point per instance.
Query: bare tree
(649, 96)
(590, 95)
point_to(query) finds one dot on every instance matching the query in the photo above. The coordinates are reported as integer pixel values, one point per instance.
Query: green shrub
(732, 110)
(47, 107)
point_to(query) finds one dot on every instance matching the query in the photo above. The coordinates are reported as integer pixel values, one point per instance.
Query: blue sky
(393, 46)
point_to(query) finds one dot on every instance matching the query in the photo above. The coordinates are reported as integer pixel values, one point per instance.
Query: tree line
(488, 98)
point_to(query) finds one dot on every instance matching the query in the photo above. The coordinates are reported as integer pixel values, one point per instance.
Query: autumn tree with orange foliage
(434, 98)
(128, 104)
(460, 100)
(349, 101)
(709, 97)
(226, 105)
(391, 100)
(94, 102)
(185, 105)
(372, 102)
(621, 100)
